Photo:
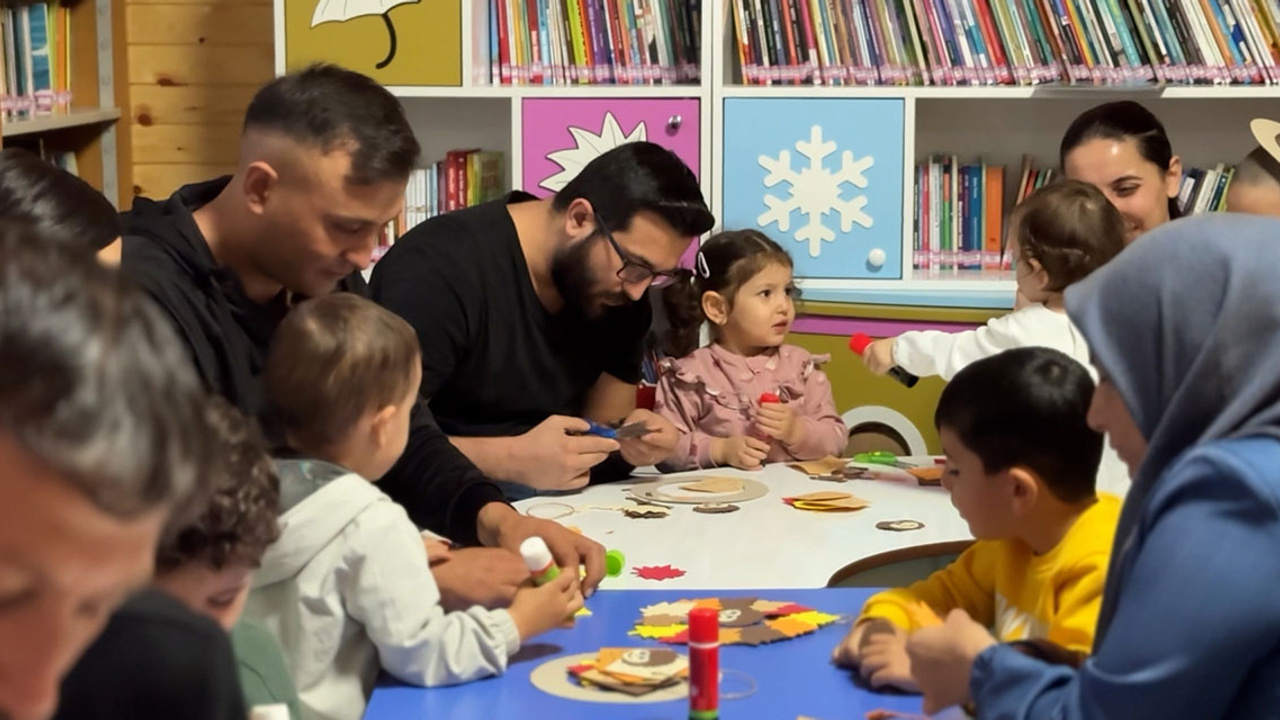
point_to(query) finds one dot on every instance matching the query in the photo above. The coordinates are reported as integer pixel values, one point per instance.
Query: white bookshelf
(1207, 125)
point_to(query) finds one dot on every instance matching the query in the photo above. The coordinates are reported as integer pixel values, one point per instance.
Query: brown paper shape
(716, 484)
(824, 496)
(825, 466)
(759, 635)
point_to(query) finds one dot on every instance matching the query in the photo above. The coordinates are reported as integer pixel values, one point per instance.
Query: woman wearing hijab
(1185, 329)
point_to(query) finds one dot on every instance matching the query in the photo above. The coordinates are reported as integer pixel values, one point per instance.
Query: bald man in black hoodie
(324, 159)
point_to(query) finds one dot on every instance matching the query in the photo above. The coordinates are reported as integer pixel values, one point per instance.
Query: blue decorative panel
(823, 177)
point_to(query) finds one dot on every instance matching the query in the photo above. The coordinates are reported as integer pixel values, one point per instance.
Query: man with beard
(531, 315)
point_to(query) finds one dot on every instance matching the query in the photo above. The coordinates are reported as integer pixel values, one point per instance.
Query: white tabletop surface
(765, 544)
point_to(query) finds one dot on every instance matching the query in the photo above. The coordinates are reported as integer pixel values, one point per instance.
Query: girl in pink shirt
(742, 286)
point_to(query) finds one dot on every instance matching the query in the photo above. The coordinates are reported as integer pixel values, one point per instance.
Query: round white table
(765, 544)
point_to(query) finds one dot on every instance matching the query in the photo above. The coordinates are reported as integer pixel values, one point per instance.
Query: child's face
(395, 436)
(763, 309)
(981, 498)
(219, 594)
(1030, 275)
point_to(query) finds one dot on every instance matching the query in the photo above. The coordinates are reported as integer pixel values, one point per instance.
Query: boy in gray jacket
(347, 588)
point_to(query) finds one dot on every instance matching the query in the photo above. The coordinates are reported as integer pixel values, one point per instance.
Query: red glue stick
(765, 398)
(858, 343)
(704, 664)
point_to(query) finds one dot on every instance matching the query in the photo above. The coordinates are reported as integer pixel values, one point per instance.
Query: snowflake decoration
(815, 191)
(588, 147)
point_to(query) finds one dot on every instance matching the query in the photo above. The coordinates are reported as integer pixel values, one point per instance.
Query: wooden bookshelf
(89, 128)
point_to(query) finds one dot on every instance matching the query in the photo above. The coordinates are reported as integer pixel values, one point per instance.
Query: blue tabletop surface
(793, 677)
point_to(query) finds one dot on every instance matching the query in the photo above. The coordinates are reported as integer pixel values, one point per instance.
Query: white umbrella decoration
(344, 10)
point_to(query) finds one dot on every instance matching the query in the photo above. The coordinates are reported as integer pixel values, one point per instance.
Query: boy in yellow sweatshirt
(1021, 464)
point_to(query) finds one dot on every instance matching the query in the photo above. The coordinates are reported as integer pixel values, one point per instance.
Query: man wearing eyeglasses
(531, 315)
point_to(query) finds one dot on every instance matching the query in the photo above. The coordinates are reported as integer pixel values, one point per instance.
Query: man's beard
(571, 273)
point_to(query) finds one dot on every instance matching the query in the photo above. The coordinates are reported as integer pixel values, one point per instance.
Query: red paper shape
(791, 609)
(657, 572)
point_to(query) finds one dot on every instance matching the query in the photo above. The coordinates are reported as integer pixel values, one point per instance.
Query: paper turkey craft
(743, 621)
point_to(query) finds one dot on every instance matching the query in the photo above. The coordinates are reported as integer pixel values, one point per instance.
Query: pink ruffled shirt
(713, 393)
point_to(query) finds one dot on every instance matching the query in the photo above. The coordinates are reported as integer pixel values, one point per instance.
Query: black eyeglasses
(634, 271)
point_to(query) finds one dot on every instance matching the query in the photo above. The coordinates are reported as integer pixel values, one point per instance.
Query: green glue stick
(537, 557)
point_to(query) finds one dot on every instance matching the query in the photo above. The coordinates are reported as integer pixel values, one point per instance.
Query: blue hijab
(1186, 324)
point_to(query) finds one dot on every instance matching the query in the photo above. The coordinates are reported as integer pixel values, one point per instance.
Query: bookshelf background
(82, 136)
(998, 125)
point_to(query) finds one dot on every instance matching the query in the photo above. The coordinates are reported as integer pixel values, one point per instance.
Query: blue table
(793, 677)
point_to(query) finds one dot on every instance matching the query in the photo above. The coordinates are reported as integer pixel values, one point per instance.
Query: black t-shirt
(228, 337)
(155, 659)
(495, 362)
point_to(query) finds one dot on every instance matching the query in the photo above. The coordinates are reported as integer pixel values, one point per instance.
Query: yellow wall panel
(428, 39)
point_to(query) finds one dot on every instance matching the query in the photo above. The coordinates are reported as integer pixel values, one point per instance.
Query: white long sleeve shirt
(932, 352)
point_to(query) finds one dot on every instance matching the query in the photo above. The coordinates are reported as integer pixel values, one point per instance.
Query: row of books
(959, 215)
(567, 42)
(960, 208)
(1204, 190)
(464, 178)
(36, 77)
(1007, 42)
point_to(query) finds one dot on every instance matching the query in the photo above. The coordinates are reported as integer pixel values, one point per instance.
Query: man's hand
(879, 356)
(548, 457)
(654, 446)
(883, 661)
(942, 659)
(500, 525)
(479, 576)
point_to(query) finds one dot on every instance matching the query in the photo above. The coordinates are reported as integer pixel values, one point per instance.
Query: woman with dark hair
(1122, 149)
(60, 206)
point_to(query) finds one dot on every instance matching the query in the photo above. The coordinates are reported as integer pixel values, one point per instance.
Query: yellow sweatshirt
(1004, 586)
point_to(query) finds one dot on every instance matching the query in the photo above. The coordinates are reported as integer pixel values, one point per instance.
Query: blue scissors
(626, 431)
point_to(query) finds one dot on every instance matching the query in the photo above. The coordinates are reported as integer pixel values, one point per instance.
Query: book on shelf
(464, 178)
(36, 74)
(961, 210)
(573, 42)
(1006, 42)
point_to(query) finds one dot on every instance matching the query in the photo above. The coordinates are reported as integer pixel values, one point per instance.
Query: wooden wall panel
(192, 67)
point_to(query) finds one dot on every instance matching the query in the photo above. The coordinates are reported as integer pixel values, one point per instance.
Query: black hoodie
(228, 336)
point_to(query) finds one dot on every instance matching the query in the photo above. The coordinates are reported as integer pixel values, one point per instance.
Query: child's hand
(437, 550)
(849, 651)
(778, 420)
(743, 452)
(539, 609)
(883, 661)
(879, 356)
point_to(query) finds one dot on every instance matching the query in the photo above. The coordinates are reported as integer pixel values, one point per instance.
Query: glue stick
(542, 566)
(704, 664)
(768, 397)
(537, 557)
(858, 343)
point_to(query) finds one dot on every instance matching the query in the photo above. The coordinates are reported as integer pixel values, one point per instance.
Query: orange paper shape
(927, 475)
(790, 627)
